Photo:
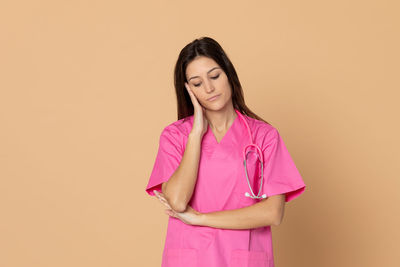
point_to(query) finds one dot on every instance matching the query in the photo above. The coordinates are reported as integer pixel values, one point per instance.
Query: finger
(164, 201)
(159, 195)
(170, 213)
(191, 94)
(188, 89)
(187, 86)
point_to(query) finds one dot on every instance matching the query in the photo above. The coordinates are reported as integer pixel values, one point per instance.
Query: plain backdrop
(87, 86)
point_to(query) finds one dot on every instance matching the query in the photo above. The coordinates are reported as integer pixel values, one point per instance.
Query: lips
(213, 98)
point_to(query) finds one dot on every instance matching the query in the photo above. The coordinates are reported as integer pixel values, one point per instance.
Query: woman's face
(207, 79)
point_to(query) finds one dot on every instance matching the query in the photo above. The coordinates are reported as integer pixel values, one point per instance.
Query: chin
(216, 106)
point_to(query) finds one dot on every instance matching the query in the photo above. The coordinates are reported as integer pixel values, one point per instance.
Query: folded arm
(266, 212)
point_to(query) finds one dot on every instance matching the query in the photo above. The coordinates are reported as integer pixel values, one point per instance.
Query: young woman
(221, 206)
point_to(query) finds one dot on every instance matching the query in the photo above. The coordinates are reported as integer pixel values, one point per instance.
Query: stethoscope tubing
(259, 156)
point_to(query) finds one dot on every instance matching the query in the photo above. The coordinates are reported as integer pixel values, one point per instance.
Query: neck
(221, 120)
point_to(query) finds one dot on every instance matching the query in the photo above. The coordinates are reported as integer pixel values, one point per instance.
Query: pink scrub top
(221, 185)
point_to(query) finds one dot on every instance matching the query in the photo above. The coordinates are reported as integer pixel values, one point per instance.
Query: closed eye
(214, 78)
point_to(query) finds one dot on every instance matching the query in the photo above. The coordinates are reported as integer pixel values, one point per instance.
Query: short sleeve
(280, 173)
(168, 158)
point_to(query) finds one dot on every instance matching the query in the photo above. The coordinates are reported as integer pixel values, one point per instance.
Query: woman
(199, 172)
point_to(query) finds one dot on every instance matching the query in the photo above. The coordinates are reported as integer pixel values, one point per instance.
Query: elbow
(178, 206)
(276, 222)
(175, 202)
(277, 219)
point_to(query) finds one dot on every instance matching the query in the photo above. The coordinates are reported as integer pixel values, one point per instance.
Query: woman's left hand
(189, 216)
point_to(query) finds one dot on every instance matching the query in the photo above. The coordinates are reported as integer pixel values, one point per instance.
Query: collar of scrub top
(259, 156)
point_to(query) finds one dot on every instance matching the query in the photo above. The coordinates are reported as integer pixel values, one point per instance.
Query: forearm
(257, 215)
(179, 188)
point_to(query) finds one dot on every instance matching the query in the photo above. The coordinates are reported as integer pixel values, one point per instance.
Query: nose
(209, 87)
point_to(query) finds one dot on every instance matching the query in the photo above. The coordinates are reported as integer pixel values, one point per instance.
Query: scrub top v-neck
(215, 138)
(221, 185)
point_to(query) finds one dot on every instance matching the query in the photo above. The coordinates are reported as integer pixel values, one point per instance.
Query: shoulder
(260, 128)
(263, 133)
(180, 128)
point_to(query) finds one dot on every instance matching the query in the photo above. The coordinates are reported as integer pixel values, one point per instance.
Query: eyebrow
(207, 72)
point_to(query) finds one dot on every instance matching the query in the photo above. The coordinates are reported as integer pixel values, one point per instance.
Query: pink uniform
(221, 185)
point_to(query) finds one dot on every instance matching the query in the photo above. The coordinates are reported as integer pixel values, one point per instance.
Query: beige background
(87, 86)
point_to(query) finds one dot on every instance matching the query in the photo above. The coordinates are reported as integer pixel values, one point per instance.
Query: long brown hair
(206, 46)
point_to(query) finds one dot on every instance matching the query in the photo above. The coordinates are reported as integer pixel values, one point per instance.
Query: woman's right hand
(200, 122)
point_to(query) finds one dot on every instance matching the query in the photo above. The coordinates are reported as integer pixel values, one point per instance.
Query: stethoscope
(259, 156)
